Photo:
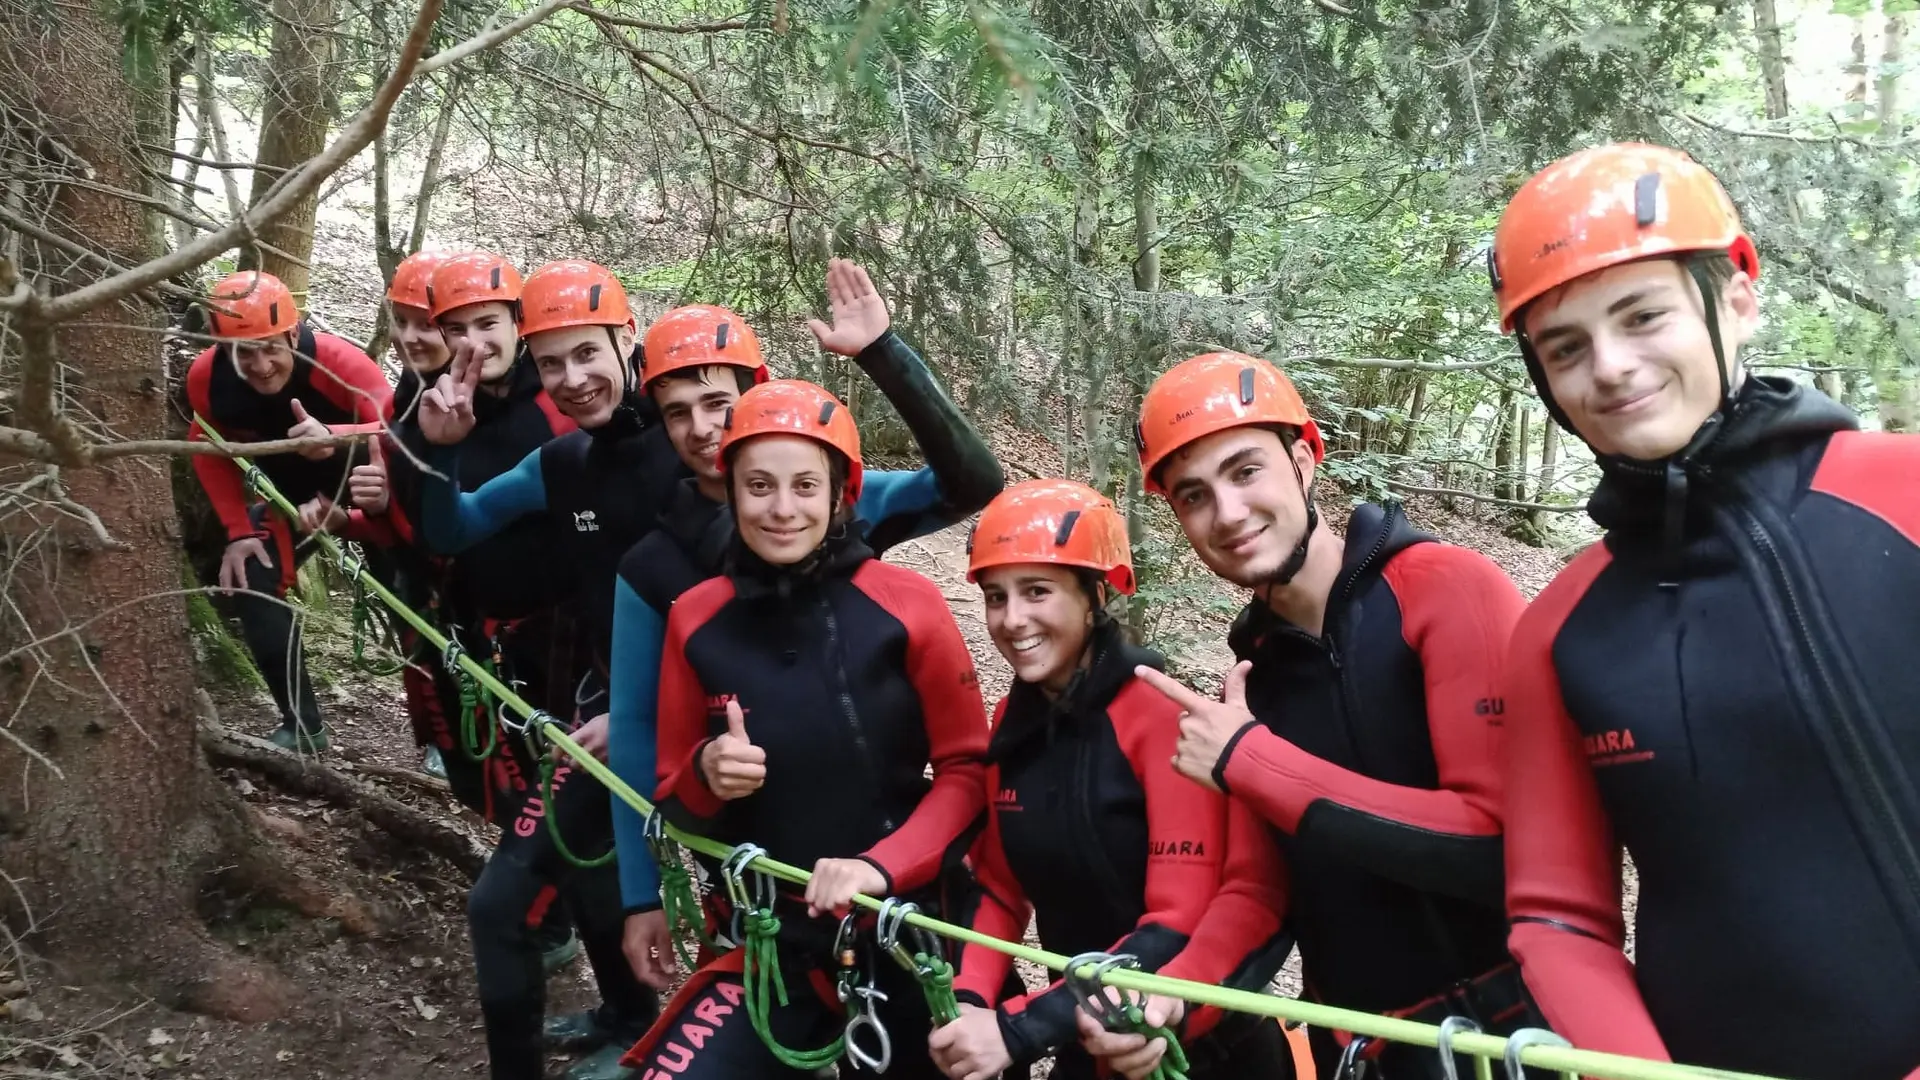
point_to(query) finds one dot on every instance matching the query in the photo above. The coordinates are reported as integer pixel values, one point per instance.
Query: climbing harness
(1126, 1013)
(860, 999)
(1530, 1046)
(925, 963)
(756, 924)
(678, 900)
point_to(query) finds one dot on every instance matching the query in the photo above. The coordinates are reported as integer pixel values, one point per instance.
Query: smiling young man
(1725, 684)
(1362, 721)
(271, 376)
(698, 361)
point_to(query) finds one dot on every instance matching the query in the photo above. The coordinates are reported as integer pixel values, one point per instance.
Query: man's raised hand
(858, 311)
(306, 427)
(1206, 726)
(446, 410)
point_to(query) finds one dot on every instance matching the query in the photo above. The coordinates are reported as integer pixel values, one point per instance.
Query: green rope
(363, 617)
(553, 822)
(761, 967)
(936, 983)
(1173, 1064)
(681, 905)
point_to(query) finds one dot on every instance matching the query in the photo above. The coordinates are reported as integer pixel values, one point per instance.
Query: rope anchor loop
(1519, 1041)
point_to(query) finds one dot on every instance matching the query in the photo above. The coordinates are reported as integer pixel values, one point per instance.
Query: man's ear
(1740, 300)
(625, 336)
(1303, 460)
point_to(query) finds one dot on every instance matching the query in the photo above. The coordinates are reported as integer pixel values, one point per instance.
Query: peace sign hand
(1206, 726)
(446, 410)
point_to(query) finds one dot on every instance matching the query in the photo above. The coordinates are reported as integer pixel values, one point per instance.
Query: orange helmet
(572, 292)
(700, 335)
(411, 277)
(1605, 206)
(1211, 393)
(794, 407)
(477, 277)
(1059, 522)
(251, 305)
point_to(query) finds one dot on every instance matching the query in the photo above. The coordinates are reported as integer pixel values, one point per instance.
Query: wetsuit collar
(1765, 410)
(636, 411)
(702, 527)
(837, 555)
(1030, 714)
(1375, 534)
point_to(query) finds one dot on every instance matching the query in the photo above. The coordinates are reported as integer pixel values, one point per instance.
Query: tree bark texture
(109, 818)
(293, 128)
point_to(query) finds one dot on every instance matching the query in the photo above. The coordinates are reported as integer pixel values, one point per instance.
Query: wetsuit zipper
(1083, 800)
(1835, 696)
(844, 697)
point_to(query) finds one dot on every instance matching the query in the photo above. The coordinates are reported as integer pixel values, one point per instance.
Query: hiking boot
(602, 1064)
(300, 741)
(433, 764)
(576, 1031)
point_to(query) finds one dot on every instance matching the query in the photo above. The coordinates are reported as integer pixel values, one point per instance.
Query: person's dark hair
(706, 375)
(1289, 434)
(1719, 269)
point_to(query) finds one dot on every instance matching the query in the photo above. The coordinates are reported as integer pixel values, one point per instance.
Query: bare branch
(194, 448)
(1333, 8)
(1792, 136)
(1389, 365)
(22, 443)
(671, 28)
(28, 228)
(298, 185)
(488, 40)
(242, 166)
(1515, 504)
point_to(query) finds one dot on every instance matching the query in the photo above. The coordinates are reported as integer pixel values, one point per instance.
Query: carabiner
(1520, 1040)
(500, 708)
(866, 1016)
(733, 870)
(886, 933)
(1352, 1065)
(450, 656)
(1451, 1026)
(654, 832)
(1091, 991)
(844, 939)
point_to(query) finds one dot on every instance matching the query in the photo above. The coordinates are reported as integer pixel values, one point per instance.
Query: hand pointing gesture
(1206, 726)
(734, 767)
(858, 311)
(306, 427)
(446, 410)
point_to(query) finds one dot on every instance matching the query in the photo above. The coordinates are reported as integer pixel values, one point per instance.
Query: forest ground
(400, 1003)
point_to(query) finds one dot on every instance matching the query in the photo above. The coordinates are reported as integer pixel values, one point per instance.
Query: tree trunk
(1549, 463)
(1411, 433)
(1887, 88)
(1857, 70)
(293, 128)
(111, 852)
(1773, 64)
(211, 122)
(1503, 448)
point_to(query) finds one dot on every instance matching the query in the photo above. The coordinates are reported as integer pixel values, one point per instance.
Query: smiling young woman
(803, 696)
(1090, 827)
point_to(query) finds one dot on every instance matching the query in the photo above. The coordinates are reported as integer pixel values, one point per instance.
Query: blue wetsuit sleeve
(454, 521)
(898, 505)
(639, 635)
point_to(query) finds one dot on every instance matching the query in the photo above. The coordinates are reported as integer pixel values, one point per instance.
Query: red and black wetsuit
(854, 679)
(1376, 757)
(338, 385)
(1093, 831)
(1729, 692)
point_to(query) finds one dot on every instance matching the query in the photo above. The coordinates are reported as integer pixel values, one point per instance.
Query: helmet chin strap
(1287, 571)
